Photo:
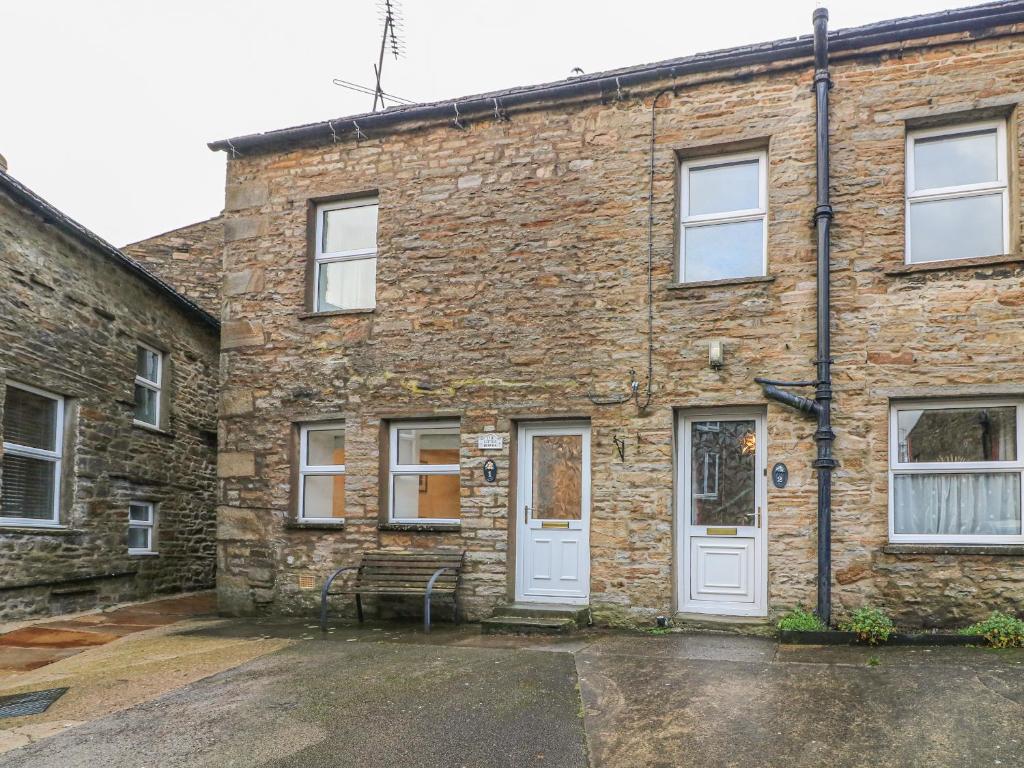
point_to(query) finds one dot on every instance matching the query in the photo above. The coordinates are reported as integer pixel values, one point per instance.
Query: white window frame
(896, 467)
(356, 254)
(316, 470)
(55, 457)
(153, 386)
(760, 213)
(147, 525)
(963, 190)
(395, 469)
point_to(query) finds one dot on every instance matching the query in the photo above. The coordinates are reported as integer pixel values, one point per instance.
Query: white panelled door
(553, 530)
(722, 506)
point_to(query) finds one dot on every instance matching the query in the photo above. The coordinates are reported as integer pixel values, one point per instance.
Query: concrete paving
(391, 696)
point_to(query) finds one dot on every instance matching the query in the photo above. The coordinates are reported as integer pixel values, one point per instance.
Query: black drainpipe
(821, 405)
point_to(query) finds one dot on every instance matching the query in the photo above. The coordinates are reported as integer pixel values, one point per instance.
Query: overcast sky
(106, 105)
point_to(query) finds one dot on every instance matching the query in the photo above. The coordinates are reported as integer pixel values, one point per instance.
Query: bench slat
(420, 563)
(427, 555)
(412, 590)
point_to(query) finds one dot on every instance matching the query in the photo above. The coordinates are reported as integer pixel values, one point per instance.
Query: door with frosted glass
(553, 541)
(721, 480)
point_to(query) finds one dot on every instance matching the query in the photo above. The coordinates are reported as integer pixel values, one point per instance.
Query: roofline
(611, 82)
(51, 215)
(172, 231)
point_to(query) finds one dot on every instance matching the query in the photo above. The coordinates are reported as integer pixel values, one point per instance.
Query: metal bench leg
(426, 597)
(324, 595)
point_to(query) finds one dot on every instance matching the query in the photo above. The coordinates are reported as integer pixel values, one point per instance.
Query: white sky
(106, 105)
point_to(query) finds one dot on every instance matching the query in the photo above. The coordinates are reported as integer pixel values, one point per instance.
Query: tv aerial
(390, 40)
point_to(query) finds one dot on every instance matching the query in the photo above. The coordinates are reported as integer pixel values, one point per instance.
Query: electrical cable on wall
(643, 401)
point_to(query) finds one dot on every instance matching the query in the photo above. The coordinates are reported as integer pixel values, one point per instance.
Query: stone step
(580, 614)
(527, 625)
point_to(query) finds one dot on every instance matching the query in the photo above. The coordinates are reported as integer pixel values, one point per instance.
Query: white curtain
(958, 504)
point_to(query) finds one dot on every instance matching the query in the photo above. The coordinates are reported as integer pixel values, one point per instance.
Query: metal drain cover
(31, 703)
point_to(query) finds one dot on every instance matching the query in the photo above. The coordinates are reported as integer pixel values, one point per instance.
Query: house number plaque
(780, 475)
(490, 471)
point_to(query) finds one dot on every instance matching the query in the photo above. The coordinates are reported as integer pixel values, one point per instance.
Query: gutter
(51, 215)
(612, 84)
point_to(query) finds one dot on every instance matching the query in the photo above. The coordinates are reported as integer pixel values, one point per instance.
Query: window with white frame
(345, 269)
(955, 471)
(33, 435)
(957, 193)
(149, 365)
(424, 472)
(723, 217)
(322, 472)
(141, 524)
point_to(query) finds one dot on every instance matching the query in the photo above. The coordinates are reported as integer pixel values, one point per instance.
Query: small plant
(801, 620)
(1000, 629)
(874, 661)
(871, 625)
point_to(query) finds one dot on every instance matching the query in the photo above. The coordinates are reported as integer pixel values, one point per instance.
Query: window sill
(315, 525)
(150, 428)
(336, 313)
(726, 281)
(1015, 550)
(950, 264)
(421, 527)
(143, 554)
(37, 530)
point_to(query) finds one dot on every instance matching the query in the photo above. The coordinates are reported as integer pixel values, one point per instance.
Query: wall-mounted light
(716, 354)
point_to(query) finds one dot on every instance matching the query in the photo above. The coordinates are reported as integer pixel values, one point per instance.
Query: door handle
(526, 514)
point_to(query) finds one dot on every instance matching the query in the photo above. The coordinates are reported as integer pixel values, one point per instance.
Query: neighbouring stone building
(108, 393)
(415, 293)
(189, 258)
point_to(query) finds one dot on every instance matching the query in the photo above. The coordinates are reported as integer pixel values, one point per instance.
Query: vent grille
(32, 703)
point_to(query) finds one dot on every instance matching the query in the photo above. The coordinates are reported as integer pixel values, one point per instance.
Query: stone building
(108, 392)
(417, 292)
(189, 258)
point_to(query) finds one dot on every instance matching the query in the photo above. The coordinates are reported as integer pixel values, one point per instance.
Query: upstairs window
(955, 472)
(957, 193)
(33, 435)
(149, 365)
(322, 473)
(723, 217)
(345, 269)
(424, 475)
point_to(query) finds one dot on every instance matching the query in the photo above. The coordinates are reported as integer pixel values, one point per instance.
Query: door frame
(524, 430)
(682, 506)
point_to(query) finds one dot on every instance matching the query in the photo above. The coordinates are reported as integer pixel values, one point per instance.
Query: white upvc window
(322, 472)
(723, 217)
(141, 525)
(955, 471)
(345, 268)
(958, 201)
(149, 374)
(424, 472)
(33, 442)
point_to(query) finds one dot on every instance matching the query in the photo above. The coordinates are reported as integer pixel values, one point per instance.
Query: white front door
(722, 553)
(553, 529)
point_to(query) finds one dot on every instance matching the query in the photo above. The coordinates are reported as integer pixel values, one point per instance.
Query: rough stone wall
(189, 258)
(512, 281)
(69, 321)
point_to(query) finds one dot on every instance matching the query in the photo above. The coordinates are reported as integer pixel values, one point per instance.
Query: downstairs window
(955, 472)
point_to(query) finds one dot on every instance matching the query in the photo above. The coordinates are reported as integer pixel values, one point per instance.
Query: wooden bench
(427, 573)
